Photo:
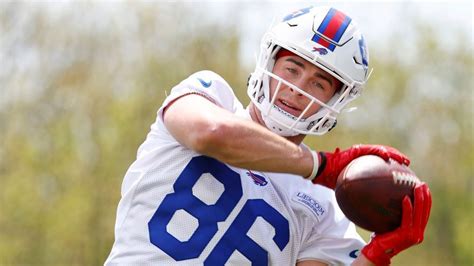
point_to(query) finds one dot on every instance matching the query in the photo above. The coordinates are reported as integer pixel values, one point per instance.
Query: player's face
(305, 76)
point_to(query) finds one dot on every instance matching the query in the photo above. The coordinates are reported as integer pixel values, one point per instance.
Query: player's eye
(291, 70)
(318, 85)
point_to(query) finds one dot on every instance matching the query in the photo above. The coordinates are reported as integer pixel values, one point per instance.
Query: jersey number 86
(235, 238)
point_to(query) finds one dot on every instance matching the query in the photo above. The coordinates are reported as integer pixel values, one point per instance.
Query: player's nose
(295, 92)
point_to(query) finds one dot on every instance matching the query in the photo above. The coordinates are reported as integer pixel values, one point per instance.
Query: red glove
(331, 164)
(414, 219)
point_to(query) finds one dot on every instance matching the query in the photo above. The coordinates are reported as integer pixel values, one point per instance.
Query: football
(370, 191)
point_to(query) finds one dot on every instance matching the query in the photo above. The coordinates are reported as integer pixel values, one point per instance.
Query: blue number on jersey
(183, 198)
(235, 238)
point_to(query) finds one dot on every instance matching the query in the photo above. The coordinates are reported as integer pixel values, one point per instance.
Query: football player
(217, 184)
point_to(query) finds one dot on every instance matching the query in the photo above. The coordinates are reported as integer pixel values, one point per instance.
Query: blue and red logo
(257, 179)
(332, 27)
(320, 50)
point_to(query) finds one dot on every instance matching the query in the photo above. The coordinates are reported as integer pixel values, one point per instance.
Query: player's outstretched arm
(415, 217)
(204, 127)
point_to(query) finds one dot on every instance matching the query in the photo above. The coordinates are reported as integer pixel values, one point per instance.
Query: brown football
(370, 191)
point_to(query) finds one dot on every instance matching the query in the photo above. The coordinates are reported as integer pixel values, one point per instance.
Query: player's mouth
(288, 107)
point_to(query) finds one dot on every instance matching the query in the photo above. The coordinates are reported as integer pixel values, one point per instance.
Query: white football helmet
(326, 38)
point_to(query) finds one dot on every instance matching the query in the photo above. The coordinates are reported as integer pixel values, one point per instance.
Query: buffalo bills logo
(257, 179)
(321, 51)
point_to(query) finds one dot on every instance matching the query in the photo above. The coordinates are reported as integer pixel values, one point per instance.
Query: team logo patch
(257, 179)
(321, 51)
(309, 202)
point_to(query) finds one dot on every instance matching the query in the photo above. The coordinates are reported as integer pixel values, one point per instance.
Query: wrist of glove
(329, 165)
(415, 217)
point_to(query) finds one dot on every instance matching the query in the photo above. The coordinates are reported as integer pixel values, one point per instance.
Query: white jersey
(179, 207)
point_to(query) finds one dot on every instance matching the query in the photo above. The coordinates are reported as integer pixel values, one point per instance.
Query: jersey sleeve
(331, 237)
(207, 84)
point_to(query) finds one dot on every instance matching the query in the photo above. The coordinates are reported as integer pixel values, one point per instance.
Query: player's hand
(414, 219)
(331, 164)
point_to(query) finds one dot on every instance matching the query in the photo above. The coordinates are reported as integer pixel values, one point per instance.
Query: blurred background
(81, 81)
